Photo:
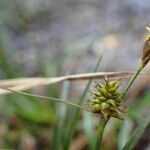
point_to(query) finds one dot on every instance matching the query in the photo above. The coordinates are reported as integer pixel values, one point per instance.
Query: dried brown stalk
(21, 84)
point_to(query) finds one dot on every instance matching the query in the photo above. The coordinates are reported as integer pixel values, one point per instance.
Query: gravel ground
(83, 29)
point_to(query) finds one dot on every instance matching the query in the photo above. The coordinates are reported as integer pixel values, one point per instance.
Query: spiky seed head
(106, 100)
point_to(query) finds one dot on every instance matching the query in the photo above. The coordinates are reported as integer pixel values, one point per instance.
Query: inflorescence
(107, 99)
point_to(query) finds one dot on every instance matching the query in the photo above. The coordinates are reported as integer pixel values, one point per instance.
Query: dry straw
(21, 84)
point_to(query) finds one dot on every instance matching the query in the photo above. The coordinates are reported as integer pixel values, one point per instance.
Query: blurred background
(46, 38)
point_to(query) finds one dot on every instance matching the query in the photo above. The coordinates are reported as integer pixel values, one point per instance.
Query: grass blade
(124, 133)
(75, 117)
(58, 131)
(89, 129)
(136, 135)
(141, 103)
(44, 97)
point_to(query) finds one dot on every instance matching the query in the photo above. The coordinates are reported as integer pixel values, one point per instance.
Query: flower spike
(106, 100)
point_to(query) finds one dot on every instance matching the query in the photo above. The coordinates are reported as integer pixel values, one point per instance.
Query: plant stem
(101, 128)
(46, 98)
(75, 117)
(131, 81)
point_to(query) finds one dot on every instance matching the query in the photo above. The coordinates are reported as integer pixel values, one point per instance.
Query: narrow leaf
(136, 135)
(44, 97)
(124, 133)
(76, 114)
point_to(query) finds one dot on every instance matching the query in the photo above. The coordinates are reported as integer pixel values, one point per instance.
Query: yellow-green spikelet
(106, 100)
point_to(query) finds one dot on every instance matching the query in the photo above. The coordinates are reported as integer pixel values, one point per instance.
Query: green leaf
(44, 98)
(33, 111)
(124, 132)
(139, 105)
(137, 134)
(76, 114)
(59, 130)
(89, 129)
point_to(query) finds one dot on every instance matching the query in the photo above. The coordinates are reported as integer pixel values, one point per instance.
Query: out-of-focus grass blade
(75, 116)
(58, 132)
(138, 105)
(33, 111)
(89, 129)
(4, 64)
(124, 133)
(137, 134)
(46, 98)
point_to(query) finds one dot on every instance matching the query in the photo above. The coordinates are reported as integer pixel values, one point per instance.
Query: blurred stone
(27, 143)
(116, 29)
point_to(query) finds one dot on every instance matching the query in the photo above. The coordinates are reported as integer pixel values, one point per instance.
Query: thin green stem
(75, 117)
(131, 81)
(44, 97)
(101, 129)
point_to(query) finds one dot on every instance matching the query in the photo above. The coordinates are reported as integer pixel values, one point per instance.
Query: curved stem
(131, 81)
(47, 98)
(101, 129)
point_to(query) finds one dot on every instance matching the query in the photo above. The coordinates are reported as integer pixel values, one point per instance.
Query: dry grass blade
(21, 84)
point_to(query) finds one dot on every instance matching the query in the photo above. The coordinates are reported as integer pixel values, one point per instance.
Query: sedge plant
(107, 99)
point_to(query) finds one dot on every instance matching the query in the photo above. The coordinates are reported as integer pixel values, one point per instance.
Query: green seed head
(106, 100)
